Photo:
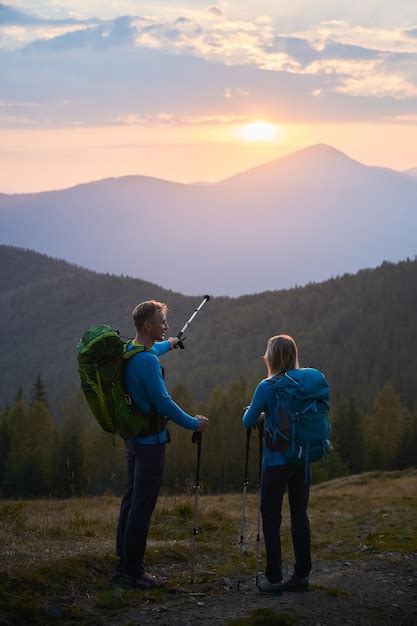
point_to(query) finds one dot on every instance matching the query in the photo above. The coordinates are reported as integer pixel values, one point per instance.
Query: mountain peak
(322, 150)
(315, 166)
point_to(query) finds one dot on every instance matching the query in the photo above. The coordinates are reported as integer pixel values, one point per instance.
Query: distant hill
(305, 217)
(360, 329)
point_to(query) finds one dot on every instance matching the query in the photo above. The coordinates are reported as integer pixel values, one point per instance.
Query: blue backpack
(300, 428)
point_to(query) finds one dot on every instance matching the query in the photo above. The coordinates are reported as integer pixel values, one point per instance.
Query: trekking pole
(258, 534)
(188, 322)
(244, 496)
(196, 438)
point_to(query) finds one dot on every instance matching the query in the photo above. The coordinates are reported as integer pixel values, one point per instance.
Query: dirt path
(373, 591)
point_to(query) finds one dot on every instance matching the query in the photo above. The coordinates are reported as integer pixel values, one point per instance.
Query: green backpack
(101, 355)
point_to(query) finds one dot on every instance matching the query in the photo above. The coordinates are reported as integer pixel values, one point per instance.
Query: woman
(281, 359)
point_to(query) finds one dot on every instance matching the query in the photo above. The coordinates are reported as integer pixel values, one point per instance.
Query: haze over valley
(305, 217)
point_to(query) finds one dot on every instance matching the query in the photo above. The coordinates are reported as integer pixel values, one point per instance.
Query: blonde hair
(146, 311)
(281, 355)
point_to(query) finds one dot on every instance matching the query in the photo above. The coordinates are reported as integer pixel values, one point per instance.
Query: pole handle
(197, 437)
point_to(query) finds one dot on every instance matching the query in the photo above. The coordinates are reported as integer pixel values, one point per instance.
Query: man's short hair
(146, 311)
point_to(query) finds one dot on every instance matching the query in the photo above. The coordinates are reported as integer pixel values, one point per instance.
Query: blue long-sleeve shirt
(264, 400)
(145, 385)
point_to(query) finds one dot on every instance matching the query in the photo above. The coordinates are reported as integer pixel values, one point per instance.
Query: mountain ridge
(292, 222)
(47, 304)
(76, 267)
(313, 157)
(315, 150)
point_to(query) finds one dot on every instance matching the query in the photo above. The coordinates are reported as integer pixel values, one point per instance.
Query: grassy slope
(58, 555)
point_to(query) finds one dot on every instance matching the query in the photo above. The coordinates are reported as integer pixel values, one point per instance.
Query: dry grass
(350, 511)
(373, 485)
(68, 545)
(373, 511)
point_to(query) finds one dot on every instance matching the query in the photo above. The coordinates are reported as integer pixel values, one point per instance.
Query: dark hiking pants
(145, 466)
(275, 481)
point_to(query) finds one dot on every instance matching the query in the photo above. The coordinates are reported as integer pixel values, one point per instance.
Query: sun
(259, 131)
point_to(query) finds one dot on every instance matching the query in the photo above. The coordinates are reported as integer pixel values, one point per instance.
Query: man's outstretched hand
(203, 423)
(174, 341)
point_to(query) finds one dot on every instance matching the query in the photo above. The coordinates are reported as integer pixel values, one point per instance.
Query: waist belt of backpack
(157, 423)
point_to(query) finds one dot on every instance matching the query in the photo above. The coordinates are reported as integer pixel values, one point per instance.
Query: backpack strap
(127, 354)
(157, 422)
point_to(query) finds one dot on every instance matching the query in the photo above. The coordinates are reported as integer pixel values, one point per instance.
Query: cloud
(120, 31)
(377, 76)
(19, 28)
(306, 52)
(180, 34)
(378, 84)
(96, 85)
(128, 68)
(167, 119)
(182, 20)
(236, 93)
(11, 16)
(215, 11)
(297, 48)
(411, 32)
(411, 118)
(373, 38)
(336, 50)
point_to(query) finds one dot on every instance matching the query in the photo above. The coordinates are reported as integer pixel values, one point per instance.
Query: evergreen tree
(330, 467)
(178, 465)
(4, 445)
(181, 395)
(224, 452)
(376, 307)
(216, 452)
(383, 429)
(238, 397)
(39, 391)
(31, 445)
(70, 472)
(407, 450)
(348, 435)
(17, 472)
(105, 463)
(19, 394)
(42, 436)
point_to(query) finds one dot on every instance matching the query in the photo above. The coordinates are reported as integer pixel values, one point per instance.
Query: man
(145, 456)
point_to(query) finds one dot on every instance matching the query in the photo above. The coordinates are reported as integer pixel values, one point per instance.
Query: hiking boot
(267, 587)
(295, 584)
(154, 581)
(146, 581)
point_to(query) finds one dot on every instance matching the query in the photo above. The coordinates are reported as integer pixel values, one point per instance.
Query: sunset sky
(192, 91)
